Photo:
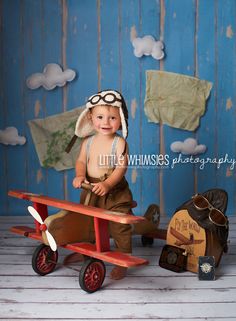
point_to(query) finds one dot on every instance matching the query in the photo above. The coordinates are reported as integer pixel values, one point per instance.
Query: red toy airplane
(45, 257)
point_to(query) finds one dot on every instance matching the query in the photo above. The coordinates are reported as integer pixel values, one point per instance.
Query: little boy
(102, 161)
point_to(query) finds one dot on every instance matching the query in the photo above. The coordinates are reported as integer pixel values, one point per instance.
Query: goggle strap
(71, 144)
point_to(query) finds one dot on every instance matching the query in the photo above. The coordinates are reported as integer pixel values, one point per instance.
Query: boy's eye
(113, 118)
(99, 117)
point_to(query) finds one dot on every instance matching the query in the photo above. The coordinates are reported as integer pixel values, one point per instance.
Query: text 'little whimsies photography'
(164, 161)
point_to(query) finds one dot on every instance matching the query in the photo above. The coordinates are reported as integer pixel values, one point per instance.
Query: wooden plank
(3, 112)
(9, 239)
(130, 77)
(13, 100)
(13, 244)
(205, 52)
(134, 282)
(109, 35)
(23, 257)
(134, 319)
(32, 47)
(23, 230)
(21, 244)
(151, 255)
(177, 183)
(51, 100)
(78, 208)
(225, 95)
(80, 37)
(117, 258)
(9, 220)
(152, 269)
(144, 319)
(150, 135)
(43, 296)
(105, 311)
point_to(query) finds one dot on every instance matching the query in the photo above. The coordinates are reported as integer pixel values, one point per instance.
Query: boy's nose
(105, 120)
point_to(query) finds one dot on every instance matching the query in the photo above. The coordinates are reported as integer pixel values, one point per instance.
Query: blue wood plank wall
(93, 37)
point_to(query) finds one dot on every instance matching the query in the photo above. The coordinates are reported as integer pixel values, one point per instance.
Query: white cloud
(188, 147)
(148, 46)
(9, 136)
(52, 76)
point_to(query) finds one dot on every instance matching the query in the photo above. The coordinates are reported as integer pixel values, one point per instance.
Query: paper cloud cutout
(9, 136)
(148, 46)
(52, 76)
(188, 147)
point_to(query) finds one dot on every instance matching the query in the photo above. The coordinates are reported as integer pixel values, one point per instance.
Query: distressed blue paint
(52, 100)
(130, 83)
(81, 55)
(33, 47)
(82, 50)
(226, 126)
(110, 44)
(98, 47)
(178, 183)
(36, 24)
(206, 69)
(3, 149)
(150, 137)
(13, 96)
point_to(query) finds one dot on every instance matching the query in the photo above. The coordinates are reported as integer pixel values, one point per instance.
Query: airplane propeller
(43, 227)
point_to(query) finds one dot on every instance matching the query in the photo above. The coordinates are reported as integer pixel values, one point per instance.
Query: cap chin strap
(71, 144)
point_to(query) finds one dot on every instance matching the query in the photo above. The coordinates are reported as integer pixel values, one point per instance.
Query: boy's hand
(101, 188)
(77, 181)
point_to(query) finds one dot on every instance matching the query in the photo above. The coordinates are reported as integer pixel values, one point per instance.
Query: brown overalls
(118, 199)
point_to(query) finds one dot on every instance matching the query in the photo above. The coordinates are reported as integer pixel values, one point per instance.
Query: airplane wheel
(44, 260)
(146, 241)
(92, 275)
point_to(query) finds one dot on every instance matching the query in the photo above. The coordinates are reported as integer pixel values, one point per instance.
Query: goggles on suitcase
(215, 215)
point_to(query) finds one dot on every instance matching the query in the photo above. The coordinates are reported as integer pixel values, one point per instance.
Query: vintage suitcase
(185, 233)
(192, 228)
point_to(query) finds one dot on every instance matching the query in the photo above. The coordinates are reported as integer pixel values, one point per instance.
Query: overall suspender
(113, 150)
(89, 142)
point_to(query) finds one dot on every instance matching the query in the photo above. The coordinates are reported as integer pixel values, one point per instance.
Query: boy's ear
(89, 115)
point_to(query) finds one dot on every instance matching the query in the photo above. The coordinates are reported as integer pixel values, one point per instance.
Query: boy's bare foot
(118, 273)
(73, 258)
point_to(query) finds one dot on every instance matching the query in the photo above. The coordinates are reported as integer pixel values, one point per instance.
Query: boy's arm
(122, 161)
(80, 166)
(118, 173)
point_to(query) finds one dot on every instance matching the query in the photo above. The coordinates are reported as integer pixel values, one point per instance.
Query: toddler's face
(106, 119)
